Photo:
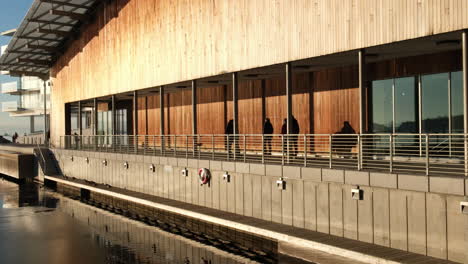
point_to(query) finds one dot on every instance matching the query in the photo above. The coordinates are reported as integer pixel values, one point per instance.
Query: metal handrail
(408, 153)
(43, 158)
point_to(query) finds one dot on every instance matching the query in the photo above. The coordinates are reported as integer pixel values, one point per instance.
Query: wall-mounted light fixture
(125, 165)
(357, 194)
(281, 184)
(184, 172)
(464, 207)
(226, 177)
(152, 168)
(104, 162)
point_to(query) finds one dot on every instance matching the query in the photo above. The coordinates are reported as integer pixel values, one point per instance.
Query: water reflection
(40, 226)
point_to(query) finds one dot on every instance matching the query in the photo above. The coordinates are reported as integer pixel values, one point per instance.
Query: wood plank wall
(136, 44)
(322, 100)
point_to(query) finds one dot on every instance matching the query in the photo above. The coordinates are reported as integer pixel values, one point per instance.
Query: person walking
(267, 131)
(229, 139)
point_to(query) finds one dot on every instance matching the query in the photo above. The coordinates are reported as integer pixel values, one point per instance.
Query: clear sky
(11, 15)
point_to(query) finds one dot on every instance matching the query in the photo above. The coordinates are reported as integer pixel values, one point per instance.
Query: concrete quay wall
(419, 214)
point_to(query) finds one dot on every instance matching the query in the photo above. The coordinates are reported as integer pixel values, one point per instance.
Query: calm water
(40, 226)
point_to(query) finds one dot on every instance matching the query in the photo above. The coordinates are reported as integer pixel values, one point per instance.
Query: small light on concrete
(227, 177)
(184, 172)
(357, 194)
(152, 168)
(125, 165)
(464, 207)
(281, 184)
(71, 158)
(104, 162)
(87, 160)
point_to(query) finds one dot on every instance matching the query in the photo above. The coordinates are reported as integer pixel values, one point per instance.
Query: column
(135, 120)
(79, 121)
(95, 117)
(235, 114)
(194, 116)
(289, 98)
(362, 91)
(161, 117)
(31, 125)
(465, 95)
(46, 129)
(289, 116)
(113, 116)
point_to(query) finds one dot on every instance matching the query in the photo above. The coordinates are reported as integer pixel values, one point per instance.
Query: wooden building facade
(142, 44)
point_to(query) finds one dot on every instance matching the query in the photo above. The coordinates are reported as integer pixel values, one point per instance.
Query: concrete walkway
(297, 242)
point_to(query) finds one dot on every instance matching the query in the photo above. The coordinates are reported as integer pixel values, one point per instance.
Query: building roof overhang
(44, 34)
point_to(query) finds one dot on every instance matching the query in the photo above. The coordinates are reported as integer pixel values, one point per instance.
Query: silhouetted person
(294, 138)
(77, 139)
(347, 129)
(14, 137)
(345, 141)
(267, 131)
(229, 140)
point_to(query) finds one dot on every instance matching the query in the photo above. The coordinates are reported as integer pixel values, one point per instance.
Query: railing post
(175, 145)
(245, 149)
(212, 147)
(359, 141)
(186, 146)
(330, 151)
(198, 149)
(282, 149)
(391, 153)
(228, 147)
(305, 150)
(263, 148)
(427, 154)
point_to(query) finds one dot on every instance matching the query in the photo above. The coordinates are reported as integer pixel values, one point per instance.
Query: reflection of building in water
(132, 241)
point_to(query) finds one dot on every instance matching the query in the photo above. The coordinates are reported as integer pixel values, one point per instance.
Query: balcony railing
(10, 87)
(11, 107)
(428, 154)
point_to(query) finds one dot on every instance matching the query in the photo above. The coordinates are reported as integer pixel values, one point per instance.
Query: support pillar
(95, 117)
(31, 125)
(79, 120)
(263, 87)
(194, 116)
(289, 114)
(235, 99)
(67, 139)
(46, 129)
(235, 113)
(362, 90)
(161, 116)
(135, 120)
(113, 116)
(465, 96)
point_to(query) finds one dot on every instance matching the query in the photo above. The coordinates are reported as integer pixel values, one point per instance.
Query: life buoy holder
(204, 176)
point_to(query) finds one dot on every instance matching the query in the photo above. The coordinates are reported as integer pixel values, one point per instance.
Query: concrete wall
(17, 165)
(415, 213)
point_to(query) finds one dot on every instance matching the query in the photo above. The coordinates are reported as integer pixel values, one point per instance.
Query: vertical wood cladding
(322, 100)
(136, 44)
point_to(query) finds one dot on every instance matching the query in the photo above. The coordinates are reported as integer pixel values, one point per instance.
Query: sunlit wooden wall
(136, 44)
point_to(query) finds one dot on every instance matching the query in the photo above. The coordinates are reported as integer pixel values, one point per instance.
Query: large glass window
(382, 106)
(456, 92)
(406, 110)
(435, 110)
